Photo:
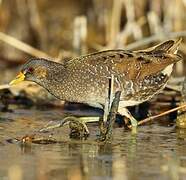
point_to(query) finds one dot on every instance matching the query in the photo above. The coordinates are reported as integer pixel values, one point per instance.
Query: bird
(139, 75)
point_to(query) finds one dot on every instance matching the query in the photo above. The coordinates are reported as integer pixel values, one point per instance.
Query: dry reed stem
(37, 24)
(154, 38)
(22, 46)
(115, 20)
(146, 41)
(80, 35)
(154, 23)
(159, 115)
(132, 27)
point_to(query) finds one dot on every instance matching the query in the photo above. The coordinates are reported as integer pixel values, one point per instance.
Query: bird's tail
(167, 49)
(170, 46)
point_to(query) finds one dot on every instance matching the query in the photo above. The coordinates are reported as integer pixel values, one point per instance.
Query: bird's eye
(30, 70)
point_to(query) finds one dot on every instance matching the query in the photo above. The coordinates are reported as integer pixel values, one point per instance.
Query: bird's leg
(125, 112)
(50, 126)
(108, 102)
(103, 120)
(74, 123)
(103, 127)
(112, 104)
(106, 132)
(112, 114)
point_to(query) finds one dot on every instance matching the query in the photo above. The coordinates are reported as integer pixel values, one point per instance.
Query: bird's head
(36, 70)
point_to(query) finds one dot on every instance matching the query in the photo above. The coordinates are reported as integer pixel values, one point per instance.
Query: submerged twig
(159, 115)
(33, 139)
(28, 139)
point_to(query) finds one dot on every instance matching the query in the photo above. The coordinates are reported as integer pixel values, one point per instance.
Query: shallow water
(156, 152)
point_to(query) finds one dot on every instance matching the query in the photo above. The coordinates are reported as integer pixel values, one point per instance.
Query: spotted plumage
(138, 74)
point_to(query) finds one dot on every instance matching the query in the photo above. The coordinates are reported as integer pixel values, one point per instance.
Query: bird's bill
(19, 78)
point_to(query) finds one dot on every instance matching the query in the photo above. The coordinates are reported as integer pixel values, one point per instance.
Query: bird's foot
(131, 124)
(134, 124)
(77, 126)
(102, 130)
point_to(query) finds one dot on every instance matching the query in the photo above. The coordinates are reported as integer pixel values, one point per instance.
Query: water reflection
(152, 154)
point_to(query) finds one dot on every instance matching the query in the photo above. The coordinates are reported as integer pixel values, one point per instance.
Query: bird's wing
(159, 57)
(150, 61)
(132, 64)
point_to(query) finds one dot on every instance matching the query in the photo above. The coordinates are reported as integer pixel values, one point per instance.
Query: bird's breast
(87, 85)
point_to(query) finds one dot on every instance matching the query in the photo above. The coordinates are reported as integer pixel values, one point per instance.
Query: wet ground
(156, 152)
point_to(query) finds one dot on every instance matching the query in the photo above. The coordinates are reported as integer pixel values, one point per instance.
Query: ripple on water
(137, 157)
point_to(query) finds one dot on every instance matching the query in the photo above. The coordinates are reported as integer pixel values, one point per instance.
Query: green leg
(133, 121)
(125, 112)
(134, 124)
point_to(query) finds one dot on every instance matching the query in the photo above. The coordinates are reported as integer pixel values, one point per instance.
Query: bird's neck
(60, 84)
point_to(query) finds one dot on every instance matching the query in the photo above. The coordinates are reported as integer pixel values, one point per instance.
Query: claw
(76, 124)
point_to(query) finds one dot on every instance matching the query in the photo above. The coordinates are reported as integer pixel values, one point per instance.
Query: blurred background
(67, 28)
(63, 29)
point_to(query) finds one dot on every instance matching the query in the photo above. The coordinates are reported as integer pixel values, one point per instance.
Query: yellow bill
(19, 78)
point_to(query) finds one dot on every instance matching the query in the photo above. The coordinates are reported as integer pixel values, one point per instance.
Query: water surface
(156, 152)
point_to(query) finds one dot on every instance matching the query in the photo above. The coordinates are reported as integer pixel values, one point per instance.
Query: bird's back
(139, 74)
